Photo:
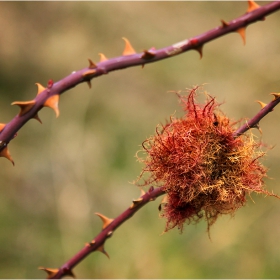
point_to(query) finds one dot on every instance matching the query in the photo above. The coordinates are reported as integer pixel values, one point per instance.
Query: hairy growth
(206, 171)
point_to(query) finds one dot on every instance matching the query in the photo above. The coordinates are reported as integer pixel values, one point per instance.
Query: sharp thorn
(50, 271)
(276, 95)
(106, 221)
(200, 51)
(252, 5)
(101, 249)
(36, 117)
(89, 84)
(128, 49)
(5, 153)
(102, 57)
(91, 64)
(40, 88)
(261, 103)
(52, 102)
(25, 106)
(242, 32)
(224, 23)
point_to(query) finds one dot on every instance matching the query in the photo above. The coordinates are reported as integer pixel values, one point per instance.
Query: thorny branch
(49, 97)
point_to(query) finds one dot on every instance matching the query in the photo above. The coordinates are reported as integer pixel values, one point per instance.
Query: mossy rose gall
(205, 170)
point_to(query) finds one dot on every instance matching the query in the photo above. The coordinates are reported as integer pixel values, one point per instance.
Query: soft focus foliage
(68, 168)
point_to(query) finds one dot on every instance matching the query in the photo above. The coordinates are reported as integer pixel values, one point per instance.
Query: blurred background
(84, 162)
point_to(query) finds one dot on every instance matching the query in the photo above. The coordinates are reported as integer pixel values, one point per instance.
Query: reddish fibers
(206, 172)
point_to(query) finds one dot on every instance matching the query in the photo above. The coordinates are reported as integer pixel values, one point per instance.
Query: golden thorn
(241, 32)
(276, 95)
(25, 106)
(5, 153)
(40, 88)
(102, 57)
(128, 49)
(261, 103)
(106, 221)
(51, 271)
(52, 102)
(252, 6)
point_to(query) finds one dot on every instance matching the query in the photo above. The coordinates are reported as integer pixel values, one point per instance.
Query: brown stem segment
(128, 59)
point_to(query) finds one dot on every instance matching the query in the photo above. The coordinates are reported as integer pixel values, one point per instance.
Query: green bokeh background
(83, 162)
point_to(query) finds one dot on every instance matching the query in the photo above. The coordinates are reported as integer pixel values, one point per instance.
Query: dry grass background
(81, 163)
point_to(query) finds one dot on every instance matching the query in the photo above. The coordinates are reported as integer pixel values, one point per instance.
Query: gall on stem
(205, 170)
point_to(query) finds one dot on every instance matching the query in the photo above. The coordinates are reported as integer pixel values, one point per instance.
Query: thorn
(241, 32)
(2, 125)
(147, 55)
(25, 106)
(89, 84)
(261, 103)
(142, 192)
(101, 249)
(51, 271)
(106, 221)
(5, 153)
(128, 49)
(257, 126)
(224, 23)
(89, 73)
(199, 49)
(91, 64)
(36, 117)
(40, 88)
(136, 202)
(252, 6)
(102, 57)
(52, 102)
(276, 95)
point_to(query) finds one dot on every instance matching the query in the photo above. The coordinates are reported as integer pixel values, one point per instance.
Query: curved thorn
(5, 153)
(101, 249)
(252, 5)
(102, 57)
(106, 221)
(36, 117)
(40, 88)
(128, 49)
(2, 125)
(52, 102)
(261, 103)
(50, 271)
(276, 95)
(242, 33)
(25, 106)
